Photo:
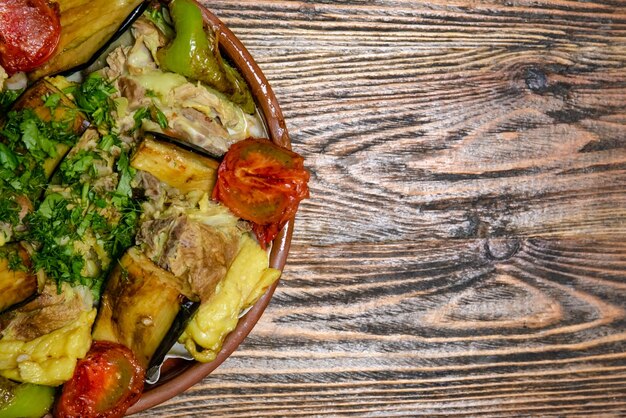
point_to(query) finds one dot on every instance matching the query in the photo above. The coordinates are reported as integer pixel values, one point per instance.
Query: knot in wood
(501, 248)
(536, 80)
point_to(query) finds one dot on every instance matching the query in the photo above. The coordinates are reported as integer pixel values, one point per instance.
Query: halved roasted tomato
(105, 383)
(263, 183)
(29, 33)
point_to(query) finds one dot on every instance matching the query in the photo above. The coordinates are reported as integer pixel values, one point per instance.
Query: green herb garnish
(9, 210)
(7, 98)
(11, 254)
(72, 168)
(152, 113)
(93, 97)
(52, 101)
(8, 159)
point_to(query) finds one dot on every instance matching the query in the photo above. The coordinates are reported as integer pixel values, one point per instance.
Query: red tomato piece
(104, 385)
(263, 183)
(29, 33)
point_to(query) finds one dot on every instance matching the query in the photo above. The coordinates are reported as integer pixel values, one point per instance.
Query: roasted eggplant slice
(170, 136)
(18, 284)
(64, 114)
(139, 305)
(175, 166)
(87, 27)
(64, 110)
(124, 27)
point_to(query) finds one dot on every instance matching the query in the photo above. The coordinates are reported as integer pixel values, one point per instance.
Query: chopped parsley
(93, 97)
(8, 159)
(9, 210)
(61, 225)
(28, 142)
(108, 141)
(80, 226)
(122, 236)
(12, 255)
(72, 168)
(25, 131)
(152, 113)
(126, 175)
(52, 101)
(53, 226)
(29, 179)
(7, 98)
(160, 118)
(141, 114)
(16, 263)
(38, 144)
(124, 232)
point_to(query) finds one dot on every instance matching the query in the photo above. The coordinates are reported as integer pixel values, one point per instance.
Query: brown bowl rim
(193, 372)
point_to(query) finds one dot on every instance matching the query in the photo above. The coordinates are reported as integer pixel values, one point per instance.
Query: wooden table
(463, 252)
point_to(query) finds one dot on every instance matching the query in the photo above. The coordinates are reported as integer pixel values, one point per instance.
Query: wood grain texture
(464, 249)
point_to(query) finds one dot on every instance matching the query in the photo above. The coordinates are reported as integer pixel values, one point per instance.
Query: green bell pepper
(24, 400)
(195, 54)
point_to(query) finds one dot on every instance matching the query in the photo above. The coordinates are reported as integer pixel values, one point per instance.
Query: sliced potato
(176, 167)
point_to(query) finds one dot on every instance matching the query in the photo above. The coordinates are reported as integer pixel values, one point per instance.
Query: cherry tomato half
(263, 183)
(104, 385)
(29, 33)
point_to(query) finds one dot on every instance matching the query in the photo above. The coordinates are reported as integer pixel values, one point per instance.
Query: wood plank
(463, 251)
(435, 328)
(461, 119)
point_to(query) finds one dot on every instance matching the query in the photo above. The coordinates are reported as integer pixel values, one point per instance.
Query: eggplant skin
(18, 284)
(187, 309)
(139, 305)
(86, 26)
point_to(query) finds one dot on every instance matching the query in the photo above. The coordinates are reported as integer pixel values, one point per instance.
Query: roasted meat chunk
(199, 254)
